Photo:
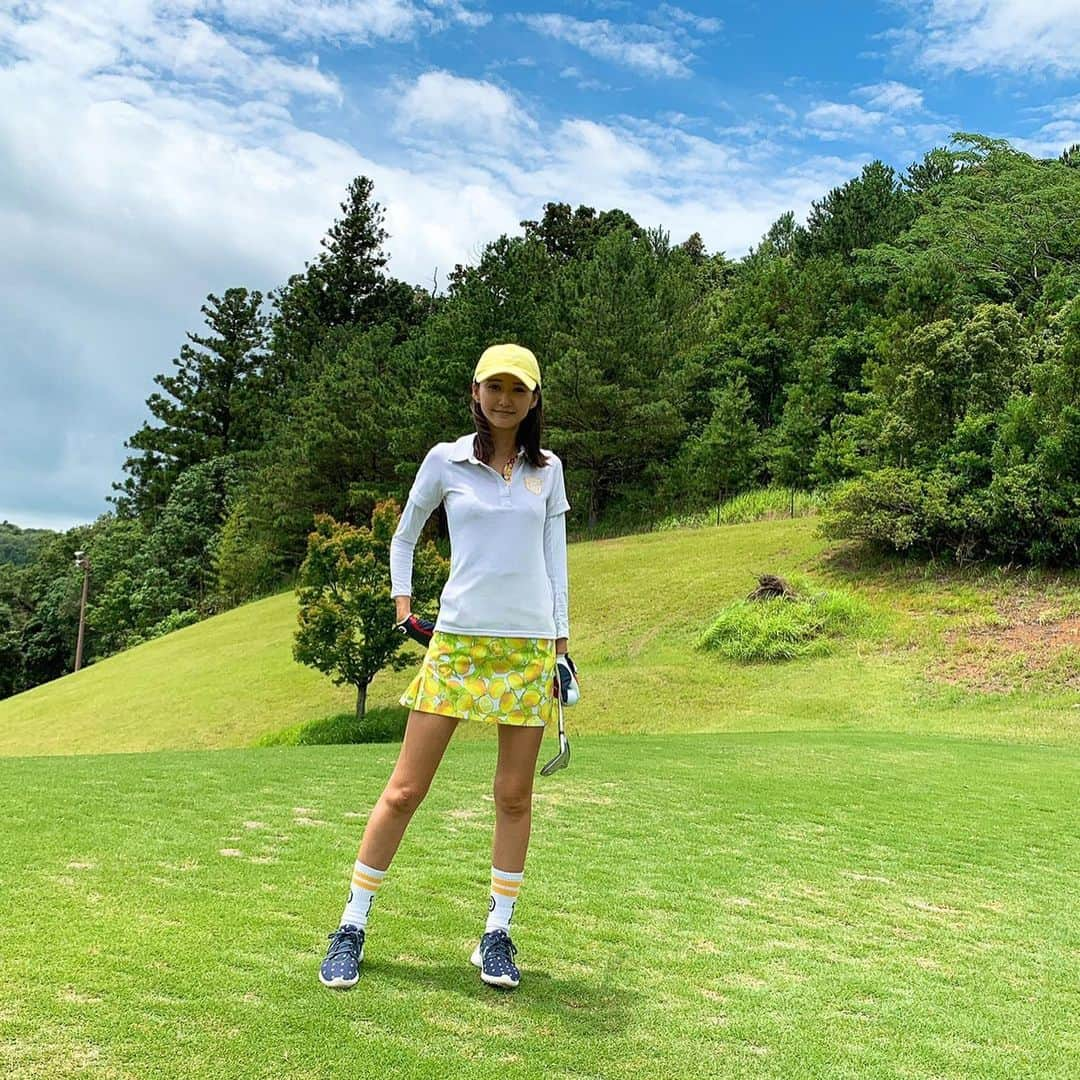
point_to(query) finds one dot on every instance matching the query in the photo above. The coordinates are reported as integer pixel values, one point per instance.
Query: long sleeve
(555, 558)
(555, 548)
(425, 495)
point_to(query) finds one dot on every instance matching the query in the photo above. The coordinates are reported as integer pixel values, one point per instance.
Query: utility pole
(83, 563)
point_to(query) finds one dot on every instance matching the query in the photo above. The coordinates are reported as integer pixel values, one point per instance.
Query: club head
(562, 758)
(559, 761)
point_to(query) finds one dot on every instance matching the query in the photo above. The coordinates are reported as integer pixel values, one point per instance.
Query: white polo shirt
(507, 543)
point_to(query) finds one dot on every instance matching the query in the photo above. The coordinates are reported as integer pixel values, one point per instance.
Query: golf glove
(418, 629)
(566, 679)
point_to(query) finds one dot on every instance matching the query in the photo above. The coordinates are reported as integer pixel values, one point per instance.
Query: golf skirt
(499, 680)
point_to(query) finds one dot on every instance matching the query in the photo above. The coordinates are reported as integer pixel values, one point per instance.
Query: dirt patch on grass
(1027, 642)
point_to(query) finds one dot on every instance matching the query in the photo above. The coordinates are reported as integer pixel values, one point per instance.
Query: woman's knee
(404, 796)
(513, 799)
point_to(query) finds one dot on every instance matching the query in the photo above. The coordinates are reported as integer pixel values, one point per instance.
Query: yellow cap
(511, 360)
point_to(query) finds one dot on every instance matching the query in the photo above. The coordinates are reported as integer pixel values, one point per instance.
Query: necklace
(508, 468)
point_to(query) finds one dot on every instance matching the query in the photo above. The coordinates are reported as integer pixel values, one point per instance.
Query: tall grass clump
(786, 629)
(759, 504)
(379, 725)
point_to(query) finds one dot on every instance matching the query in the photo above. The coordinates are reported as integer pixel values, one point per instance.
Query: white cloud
(1060, 131)
(441, 103)
(779, 106)
(1050, 140)
(647, 49)
(703, 25)
(131, 38)
(831, 120)
(999, 35)
(359, 21)
(892, 97)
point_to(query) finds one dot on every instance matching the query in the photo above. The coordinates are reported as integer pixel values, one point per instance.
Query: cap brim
(527, 379)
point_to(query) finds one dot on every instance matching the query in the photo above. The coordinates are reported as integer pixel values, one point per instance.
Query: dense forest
(19, 546)
(912, 350)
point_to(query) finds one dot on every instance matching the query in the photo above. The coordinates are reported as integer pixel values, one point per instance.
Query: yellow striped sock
(365, 884)
(504, 892)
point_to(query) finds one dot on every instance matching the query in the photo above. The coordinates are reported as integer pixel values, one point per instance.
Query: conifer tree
(212, 405)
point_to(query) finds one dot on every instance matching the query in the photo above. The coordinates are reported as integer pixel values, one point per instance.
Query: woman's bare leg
(518, 749)
(426, 739)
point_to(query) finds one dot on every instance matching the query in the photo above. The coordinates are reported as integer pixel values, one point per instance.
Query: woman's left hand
(566, 683)
(420, 630)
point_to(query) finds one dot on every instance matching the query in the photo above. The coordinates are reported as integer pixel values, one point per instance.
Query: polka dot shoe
(493, 956)
(341, 968)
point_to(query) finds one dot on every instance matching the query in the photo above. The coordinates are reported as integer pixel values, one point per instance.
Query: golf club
(562, 758)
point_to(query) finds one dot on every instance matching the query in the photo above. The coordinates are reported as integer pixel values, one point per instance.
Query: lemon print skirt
(500, 680)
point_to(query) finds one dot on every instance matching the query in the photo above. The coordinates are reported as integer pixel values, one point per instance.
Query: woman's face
(504, 400)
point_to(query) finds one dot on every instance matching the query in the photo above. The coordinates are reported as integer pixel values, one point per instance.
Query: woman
(496, 653)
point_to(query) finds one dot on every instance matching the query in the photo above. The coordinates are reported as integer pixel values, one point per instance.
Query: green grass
(836, 867)
(223, 682)
(787, 905)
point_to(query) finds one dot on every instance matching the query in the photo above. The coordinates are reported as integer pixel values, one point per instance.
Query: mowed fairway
(831, 868)
(766, 905)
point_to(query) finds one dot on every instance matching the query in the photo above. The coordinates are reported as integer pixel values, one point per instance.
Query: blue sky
(165, 149)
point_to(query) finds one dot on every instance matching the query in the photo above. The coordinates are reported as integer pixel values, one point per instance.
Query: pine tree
(212, 405)
(345, 285)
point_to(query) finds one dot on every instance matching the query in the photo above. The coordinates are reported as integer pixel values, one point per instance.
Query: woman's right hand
(404, 606)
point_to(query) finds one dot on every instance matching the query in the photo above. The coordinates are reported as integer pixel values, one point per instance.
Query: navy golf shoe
(494, 957)
(341, 968)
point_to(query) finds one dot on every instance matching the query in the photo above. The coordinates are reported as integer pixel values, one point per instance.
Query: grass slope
(788, 905)
(638, 605)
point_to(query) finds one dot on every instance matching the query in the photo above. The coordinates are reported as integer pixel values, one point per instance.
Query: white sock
(365, 884)
(504, 891)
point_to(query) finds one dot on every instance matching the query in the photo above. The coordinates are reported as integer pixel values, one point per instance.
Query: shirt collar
(463, 450)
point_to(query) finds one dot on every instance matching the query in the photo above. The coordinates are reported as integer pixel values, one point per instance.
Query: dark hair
(528, 433)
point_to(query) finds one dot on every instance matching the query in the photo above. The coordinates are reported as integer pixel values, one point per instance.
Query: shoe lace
(344, 942)
(501, 945)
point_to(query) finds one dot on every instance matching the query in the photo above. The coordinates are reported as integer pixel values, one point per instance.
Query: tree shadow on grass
(588, 1007)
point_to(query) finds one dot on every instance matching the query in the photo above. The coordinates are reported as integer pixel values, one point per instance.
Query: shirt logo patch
(535, 484)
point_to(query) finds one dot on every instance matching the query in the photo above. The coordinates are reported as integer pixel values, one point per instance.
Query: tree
(727, 451)
(213, 404)
(346, 619)
(19, 546)
(1000, 229)
(573, 234)
(11, 618)
(114, 551)
(863, 212)
(694, 246)
(346, 285)
(335, 454)
(179, 553)
(937, 166)
(624, 322)
(244, 563)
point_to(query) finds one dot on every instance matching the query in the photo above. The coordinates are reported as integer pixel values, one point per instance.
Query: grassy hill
(637, 606)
